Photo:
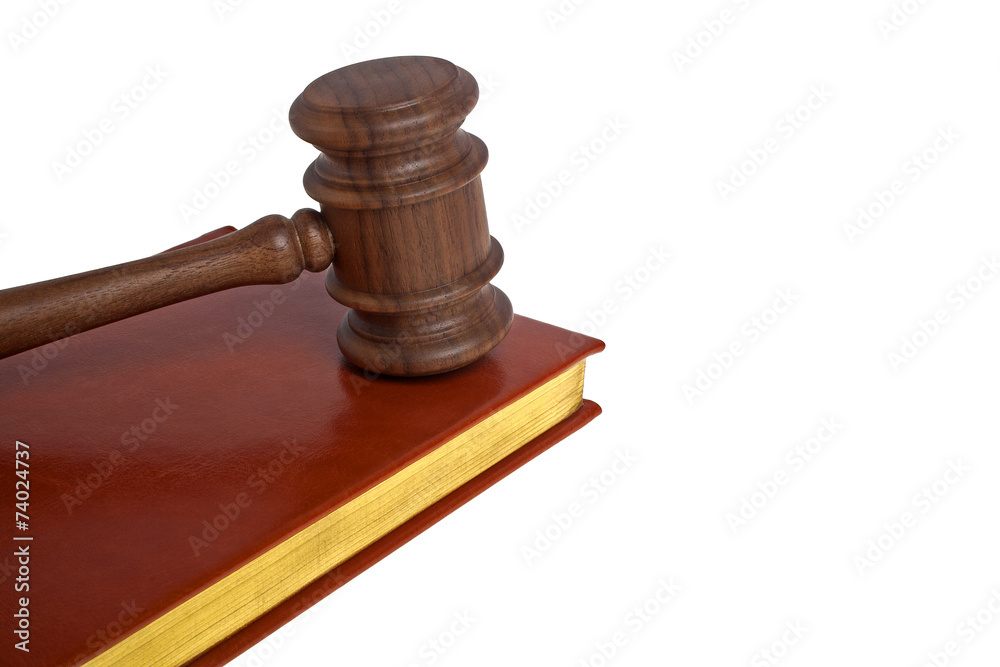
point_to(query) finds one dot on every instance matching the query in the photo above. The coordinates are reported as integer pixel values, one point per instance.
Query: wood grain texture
(399, 185)
(273, 250)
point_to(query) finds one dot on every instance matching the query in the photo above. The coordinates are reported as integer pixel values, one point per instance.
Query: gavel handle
(271, 251)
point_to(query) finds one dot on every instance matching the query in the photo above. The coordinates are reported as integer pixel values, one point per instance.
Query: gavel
(401, 231)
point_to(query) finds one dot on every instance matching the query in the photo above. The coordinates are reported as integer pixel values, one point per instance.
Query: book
(182, 483)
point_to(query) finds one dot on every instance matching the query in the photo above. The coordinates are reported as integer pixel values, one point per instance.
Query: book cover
(161, 454)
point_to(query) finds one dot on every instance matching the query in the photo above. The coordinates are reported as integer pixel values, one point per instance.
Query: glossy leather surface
(140, 430)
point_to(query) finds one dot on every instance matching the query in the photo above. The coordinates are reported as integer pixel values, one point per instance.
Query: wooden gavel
(401, 200)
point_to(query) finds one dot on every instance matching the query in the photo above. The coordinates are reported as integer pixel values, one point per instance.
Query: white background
(654, 187)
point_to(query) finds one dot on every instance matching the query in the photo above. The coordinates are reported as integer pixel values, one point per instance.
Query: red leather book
(164, 453)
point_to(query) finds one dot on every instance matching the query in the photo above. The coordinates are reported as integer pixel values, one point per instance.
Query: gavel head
(398, 184)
